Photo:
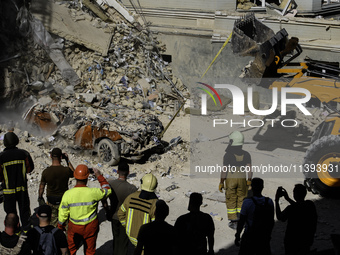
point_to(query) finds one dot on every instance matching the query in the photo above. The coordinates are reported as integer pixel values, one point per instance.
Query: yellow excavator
(273, 68)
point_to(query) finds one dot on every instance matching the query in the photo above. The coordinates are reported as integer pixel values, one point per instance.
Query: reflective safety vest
(135, 212)
(14, 164)
(80, 203)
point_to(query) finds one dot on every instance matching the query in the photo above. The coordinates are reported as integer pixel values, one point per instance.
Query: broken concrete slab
(96, 9)
(45, 100)
(119, 8)
(87, 97)
(145, 85)
(58, 20)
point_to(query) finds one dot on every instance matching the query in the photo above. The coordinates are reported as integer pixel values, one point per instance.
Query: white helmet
(149, 183)
(237, 138)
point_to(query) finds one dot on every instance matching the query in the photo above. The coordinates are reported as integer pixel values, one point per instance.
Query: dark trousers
(23, 200)
(120, 239)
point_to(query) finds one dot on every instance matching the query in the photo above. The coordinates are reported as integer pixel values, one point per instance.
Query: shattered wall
(11, 44)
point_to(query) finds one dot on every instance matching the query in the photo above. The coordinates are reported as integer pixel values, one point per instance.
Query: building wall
(207, 6)
(309, 5)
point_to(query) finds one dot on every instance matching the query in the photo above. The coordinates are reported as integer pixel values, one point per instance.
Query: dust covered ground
(178, 160)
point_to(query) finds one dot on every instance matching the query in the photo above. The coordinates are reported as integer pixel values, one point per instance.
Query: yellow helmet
(237, 137)
(149, 183)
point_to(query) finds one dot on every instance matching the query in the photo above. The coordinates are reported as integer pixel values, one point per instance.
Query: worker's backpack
(47, 245)
(16, 249)
(263, 220)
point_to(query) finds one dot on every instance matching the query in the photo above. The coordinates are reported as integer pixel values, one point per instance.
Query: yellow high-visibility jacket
(135, 212)
(80, 203)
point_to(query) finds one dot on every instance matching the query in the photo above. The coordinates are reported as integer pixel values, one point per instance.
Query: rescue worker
(236, 163)
(56, 178)
(80, 205)
(121, 188)
(139, 207)
(14, 165)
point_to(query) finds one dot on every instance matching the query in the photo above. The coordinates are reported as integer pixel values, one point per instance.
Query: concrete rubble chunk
(144, 84)
(121, 10)
(87, 97)
(45, 100)
(60, 22)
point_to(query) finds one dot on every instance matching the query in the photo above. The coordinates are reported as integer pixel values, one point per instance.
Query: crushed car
(110, 137)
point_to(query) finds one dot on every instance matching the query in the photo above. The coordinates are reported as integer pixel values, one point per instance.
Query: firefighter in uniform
(79, 205)
(236, 165)
(139, 208)
(14, 165)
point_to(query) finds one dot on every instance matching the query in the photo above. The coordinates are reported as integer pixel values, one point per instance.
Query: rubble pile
(245, 4)
(132, 74)
(115, 94)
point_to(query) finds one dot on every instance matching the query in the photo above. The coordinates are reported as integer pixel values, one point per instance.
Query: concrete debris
(284, 7)
(106, 99)
(73, 25)
(122, 11)
(172, 187)
(245, 4)
(96, 9)
(128, 71)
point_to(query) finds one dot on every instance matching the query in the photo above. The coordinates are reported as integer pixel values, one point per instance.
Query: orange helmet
(82, 172)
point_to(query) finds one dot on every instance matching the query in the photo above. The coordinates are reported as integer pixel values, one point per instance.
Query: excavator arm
(272, 67)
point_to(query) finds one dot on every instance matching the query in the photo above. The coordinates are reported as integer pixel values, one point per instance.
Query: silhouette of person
(301, 220)
(257, 214)
(194, 228)
(157, 237)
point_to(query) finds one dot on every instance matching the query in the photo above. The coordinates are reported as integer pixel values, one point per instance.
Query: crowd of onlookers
(67, 218)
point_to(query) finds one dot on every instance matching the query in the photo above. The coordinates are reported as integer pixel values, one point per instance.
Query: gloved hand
(62, 227)
(221, 187)
(249, 184)
(41, 201)
(237, 239)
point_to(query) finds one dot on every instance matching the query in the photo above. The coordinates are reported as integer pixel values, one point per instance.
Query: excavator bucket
(252, 38)
(249, 34)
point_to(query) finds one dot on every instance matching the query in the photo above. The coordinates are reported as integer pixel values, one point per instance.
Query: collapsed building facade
(100, 78)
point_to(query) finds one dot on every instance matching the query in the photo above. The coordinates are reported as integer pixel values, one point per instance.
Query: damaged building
(95, 72)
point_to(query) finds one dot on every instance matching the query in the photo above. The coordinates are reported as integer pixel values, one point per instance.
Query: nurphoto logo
(238, 99)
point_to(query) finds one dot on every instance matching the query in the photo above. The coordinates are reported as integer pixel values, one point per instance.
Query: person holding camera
(56, 178)
(301, 220)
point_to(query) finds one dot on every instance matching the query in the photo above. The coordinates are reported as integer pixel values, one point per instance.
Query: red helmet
(82, 172)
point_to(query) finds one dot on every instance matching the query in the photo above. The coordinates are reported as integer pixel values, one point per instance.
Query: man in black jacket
(14, 165)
